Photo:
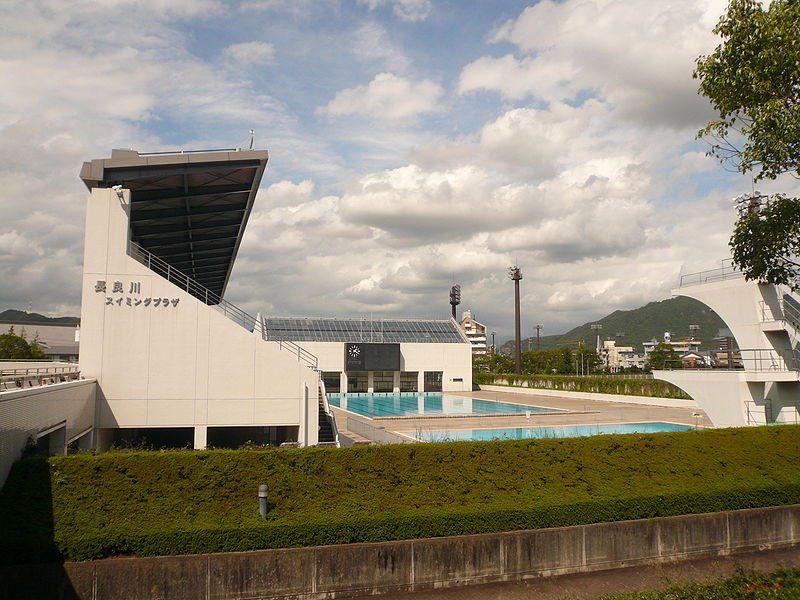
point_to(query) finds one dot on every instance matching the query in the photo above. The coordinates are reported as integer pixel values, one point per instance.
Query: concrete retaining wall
(28, 412)
(649, 400)
(352, 569)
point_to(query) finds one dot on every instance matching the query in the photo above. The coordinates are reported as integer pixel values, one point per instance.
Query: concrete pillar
(103, 438)
(86, 441)
(396, 382)
(420, 381)
(370, 382)
(343, 383)
(200, 437)
(57, 441)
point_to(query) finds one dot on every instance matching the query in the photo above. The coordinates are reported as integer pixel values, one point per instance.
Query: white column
(200, 437)
(420, 381)
(343, 383)
(396, 382)
(370, 382)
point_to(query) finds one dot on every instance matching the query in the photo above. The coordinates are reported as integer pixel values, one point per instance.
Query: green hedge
(654, 388)
(84, 507)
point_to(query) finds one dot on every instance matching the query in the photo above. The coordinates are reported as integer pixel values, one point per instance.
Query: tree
(766, 243)
(753, 81)
(663, 356)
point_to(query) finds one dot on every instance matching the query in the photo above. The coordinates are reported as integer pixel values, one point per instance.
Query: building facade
(475, 332)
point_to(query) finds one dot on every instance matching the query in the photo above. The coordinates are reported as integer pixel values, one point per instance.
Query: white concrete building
(382, 355)
(765, 321)
(171, 357)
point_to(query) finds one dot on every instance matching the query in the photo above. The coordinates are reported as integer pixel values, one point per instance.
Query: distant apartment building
(616, 358)
(682, 346)
(475, 332)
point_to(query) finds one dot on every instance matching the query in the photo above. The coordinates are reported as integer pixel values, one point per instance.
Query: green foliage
(653, 388)
(663, 356)
(753, 81)
(765, 243)
(558, 361)
(780, 585)
(16, 347)
(190, 502)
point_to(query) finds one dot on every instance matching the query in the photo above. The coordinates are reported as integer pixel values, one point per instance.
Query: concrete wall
(353, 569)
(670, 402)
(64, 409)
(179, 364)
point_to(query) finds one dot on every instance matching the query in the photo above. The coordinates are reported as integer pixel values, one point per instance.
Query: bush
(653, 388)
(84, 507)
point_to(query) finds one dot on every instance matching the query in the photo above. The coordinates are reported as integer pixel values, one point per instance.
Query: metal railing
(26, 377)
(202, 293)
(323, 395)
(787, 311)
(727, 271)
(759, 360)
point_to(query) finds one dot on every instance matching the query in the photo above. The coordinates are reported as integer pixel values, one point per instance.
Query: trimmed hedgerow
(654, 388)
(85, 507)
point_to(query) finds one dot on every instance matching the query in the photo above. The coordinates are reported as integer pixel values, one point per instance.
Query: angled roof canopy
(189, 209)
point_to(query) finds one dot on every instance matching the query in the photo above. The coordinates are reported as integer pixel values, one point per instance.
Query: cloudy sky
(413, 143)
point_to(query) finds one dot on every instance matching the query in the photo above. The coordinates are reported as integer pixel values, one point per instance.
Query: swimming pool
(426, 405)
(520, 433)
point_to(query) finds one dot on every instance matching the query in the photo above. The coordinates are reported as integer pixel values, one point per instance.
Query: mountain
(637, 326)
(21, 317)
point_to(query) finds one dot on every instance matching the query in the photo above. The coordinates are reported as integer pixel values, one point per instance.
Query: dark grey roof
(189, 209)
(362, 330)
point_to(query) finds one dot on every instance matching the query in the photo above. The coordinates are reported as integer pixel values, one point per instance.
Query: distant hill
(637, 326)
(23, 318)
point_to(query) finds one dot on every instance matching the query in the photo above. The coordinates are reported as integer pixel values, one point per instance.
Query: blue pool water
(520, 433)
(425, 404)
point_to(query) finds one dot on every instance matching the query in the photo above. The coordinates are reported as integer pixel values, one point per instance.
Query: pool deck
(581, 412)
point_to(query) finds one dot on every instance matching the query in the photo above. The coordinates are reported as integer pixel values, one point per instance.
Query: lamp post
(538, 341)
(494, 348)
(515, 274)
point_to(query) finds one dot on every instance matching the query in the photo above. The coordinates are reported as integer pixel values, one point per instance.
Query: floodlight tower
(597, 327)
(515, 274)
(538, 341)
(455, 298)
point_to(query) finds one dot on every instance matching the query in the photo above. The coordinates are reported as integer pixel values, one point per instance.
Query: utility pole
(494, 348)
(515, 274)
(538, 341)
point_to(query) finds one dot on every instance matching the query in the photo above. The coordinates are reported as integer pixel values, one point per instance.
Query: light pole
(494, 348)
(515, 274)
(538, 341)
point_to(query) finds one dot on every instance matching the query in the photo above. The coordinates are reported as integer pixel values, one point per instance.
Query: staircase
(327, 434)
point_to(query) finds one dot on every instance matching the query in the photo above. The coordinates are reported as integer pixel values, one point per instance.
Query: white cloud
(248, 53)
(387, 96)
(636, 55)
(407, 10)
(371, 43)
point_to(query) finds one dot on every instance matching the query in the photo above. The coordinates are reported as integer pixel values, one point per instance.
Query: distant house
(682, 346)
(694, 360)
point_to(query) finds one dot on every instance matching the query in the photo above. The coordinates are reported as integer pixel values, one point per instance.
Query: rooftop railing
(727, 271)
(758, 360)
(24, 377)
(230, 310)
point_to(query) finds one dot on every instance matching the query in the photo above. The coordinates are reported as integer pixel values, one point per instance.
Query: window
(356, 382)
(332, 380)
(408, 381)
(433, 381)
(382, 381)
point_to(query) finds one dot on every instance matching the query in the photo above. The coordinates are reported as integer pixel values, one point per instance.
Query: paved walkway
(579, 412)
(584, 586)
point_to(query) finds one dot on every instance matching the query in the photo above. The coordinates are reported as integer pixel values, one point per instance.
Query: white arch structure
(765, 321)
